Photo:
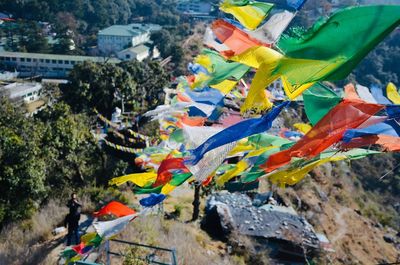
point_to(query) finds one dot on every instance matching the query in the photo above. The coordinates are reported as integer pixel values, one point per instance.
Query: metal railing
(149, 259)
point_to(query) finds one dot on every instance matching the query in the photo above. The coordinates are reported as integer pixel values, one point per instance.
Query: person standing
(72, 220)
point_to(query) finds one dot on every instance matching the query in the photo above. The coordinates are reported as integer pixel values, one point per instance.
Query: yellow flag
(295, 175)
(303, 127)
(297, 74)
(167, 188)
(204, 61)
(225, 86)
(249, 15)
(239, 168)
(241, 148)
(140, 179)
(293, 91)
(87, 237)
(392, 94)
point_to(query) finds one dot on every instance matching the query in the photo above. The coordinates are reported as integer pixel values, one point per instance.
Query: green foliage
(101, 86)
(151, 79)
(151, 129)
(169, 42)
(103, 196)
(178, 210)
(43, 156)
(370, 170)
(81, 18)
(70, 151)
(22, 174)
(94, 14)
(384, 217)
(382, 65)
(95, 85)
(26, 36)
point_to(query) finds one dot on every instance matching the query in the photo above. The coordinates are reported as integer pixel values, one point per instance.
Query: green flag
(347, 36)
(318, 101)
(328, 51)
(219, 68)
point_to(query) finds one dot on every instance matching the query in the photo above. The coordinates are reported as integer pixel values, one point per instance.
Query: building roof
(137, 49)
(57, 57)
(130, 30)
(20, 89)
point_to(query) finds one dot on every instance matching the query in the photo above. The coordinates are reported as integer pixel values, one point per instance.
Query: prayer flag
(249, 13)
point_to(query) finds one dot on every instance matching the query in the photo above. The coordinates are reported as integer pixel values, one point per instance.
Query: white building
(116, 38)
(194, 7)
(28, 92)
(138, 53)
(46, 65)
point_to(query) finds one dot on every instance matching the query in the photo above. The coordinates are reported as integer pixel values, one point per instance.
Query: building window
(54, 61)
(47, 61)
(22, 59)
(13, 59)
(128, 56)
(41, 60)
(28, 60)
(66, 62)
(60, 61)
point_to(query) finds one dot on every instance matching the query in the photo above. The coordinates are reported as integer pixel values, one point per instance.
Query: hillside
(221, 127)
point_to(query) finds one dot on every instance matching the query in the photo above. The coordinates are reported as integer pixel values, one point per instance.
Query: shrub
(17, 239)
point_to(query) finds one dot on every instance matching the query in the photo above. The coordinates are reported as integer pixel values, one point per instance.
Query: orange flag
(235, 39)
(350, 92)
(388, 142)
(329, 130)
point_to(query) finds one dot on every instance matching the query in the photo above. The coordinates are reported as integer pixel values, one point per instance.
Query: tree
(22, 172)
(102, 86)
(151, 80)
(69, 149)
(382, 64)
(44, 156)
(162, 39)
(31, 38)
(94, 85)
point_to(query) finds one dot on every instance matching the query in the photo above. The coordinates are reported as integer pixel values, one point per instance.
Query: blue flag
(236, 132)
(377, 93)
(152, 200)
(389, 127)
(208, 95)
(296, 4)
(393, 111)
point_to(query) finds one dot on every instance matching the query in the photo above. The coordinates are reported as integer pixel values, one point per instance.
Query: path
(56, 245)
(341, 224)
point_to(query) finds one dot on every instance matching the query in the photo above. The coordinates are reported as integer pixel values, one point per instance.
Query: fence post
(108, 258)
(174, 261)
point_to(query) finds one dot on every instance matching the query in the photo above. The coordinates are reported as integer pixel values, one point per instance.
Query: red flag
(388, 142)
(235, 39)
(115, 208)
(164, 174)
(348, 114)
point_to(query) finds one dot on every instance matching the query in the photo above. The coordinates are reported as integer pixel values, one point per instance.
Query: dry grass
(17, 241)
(193, 246)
